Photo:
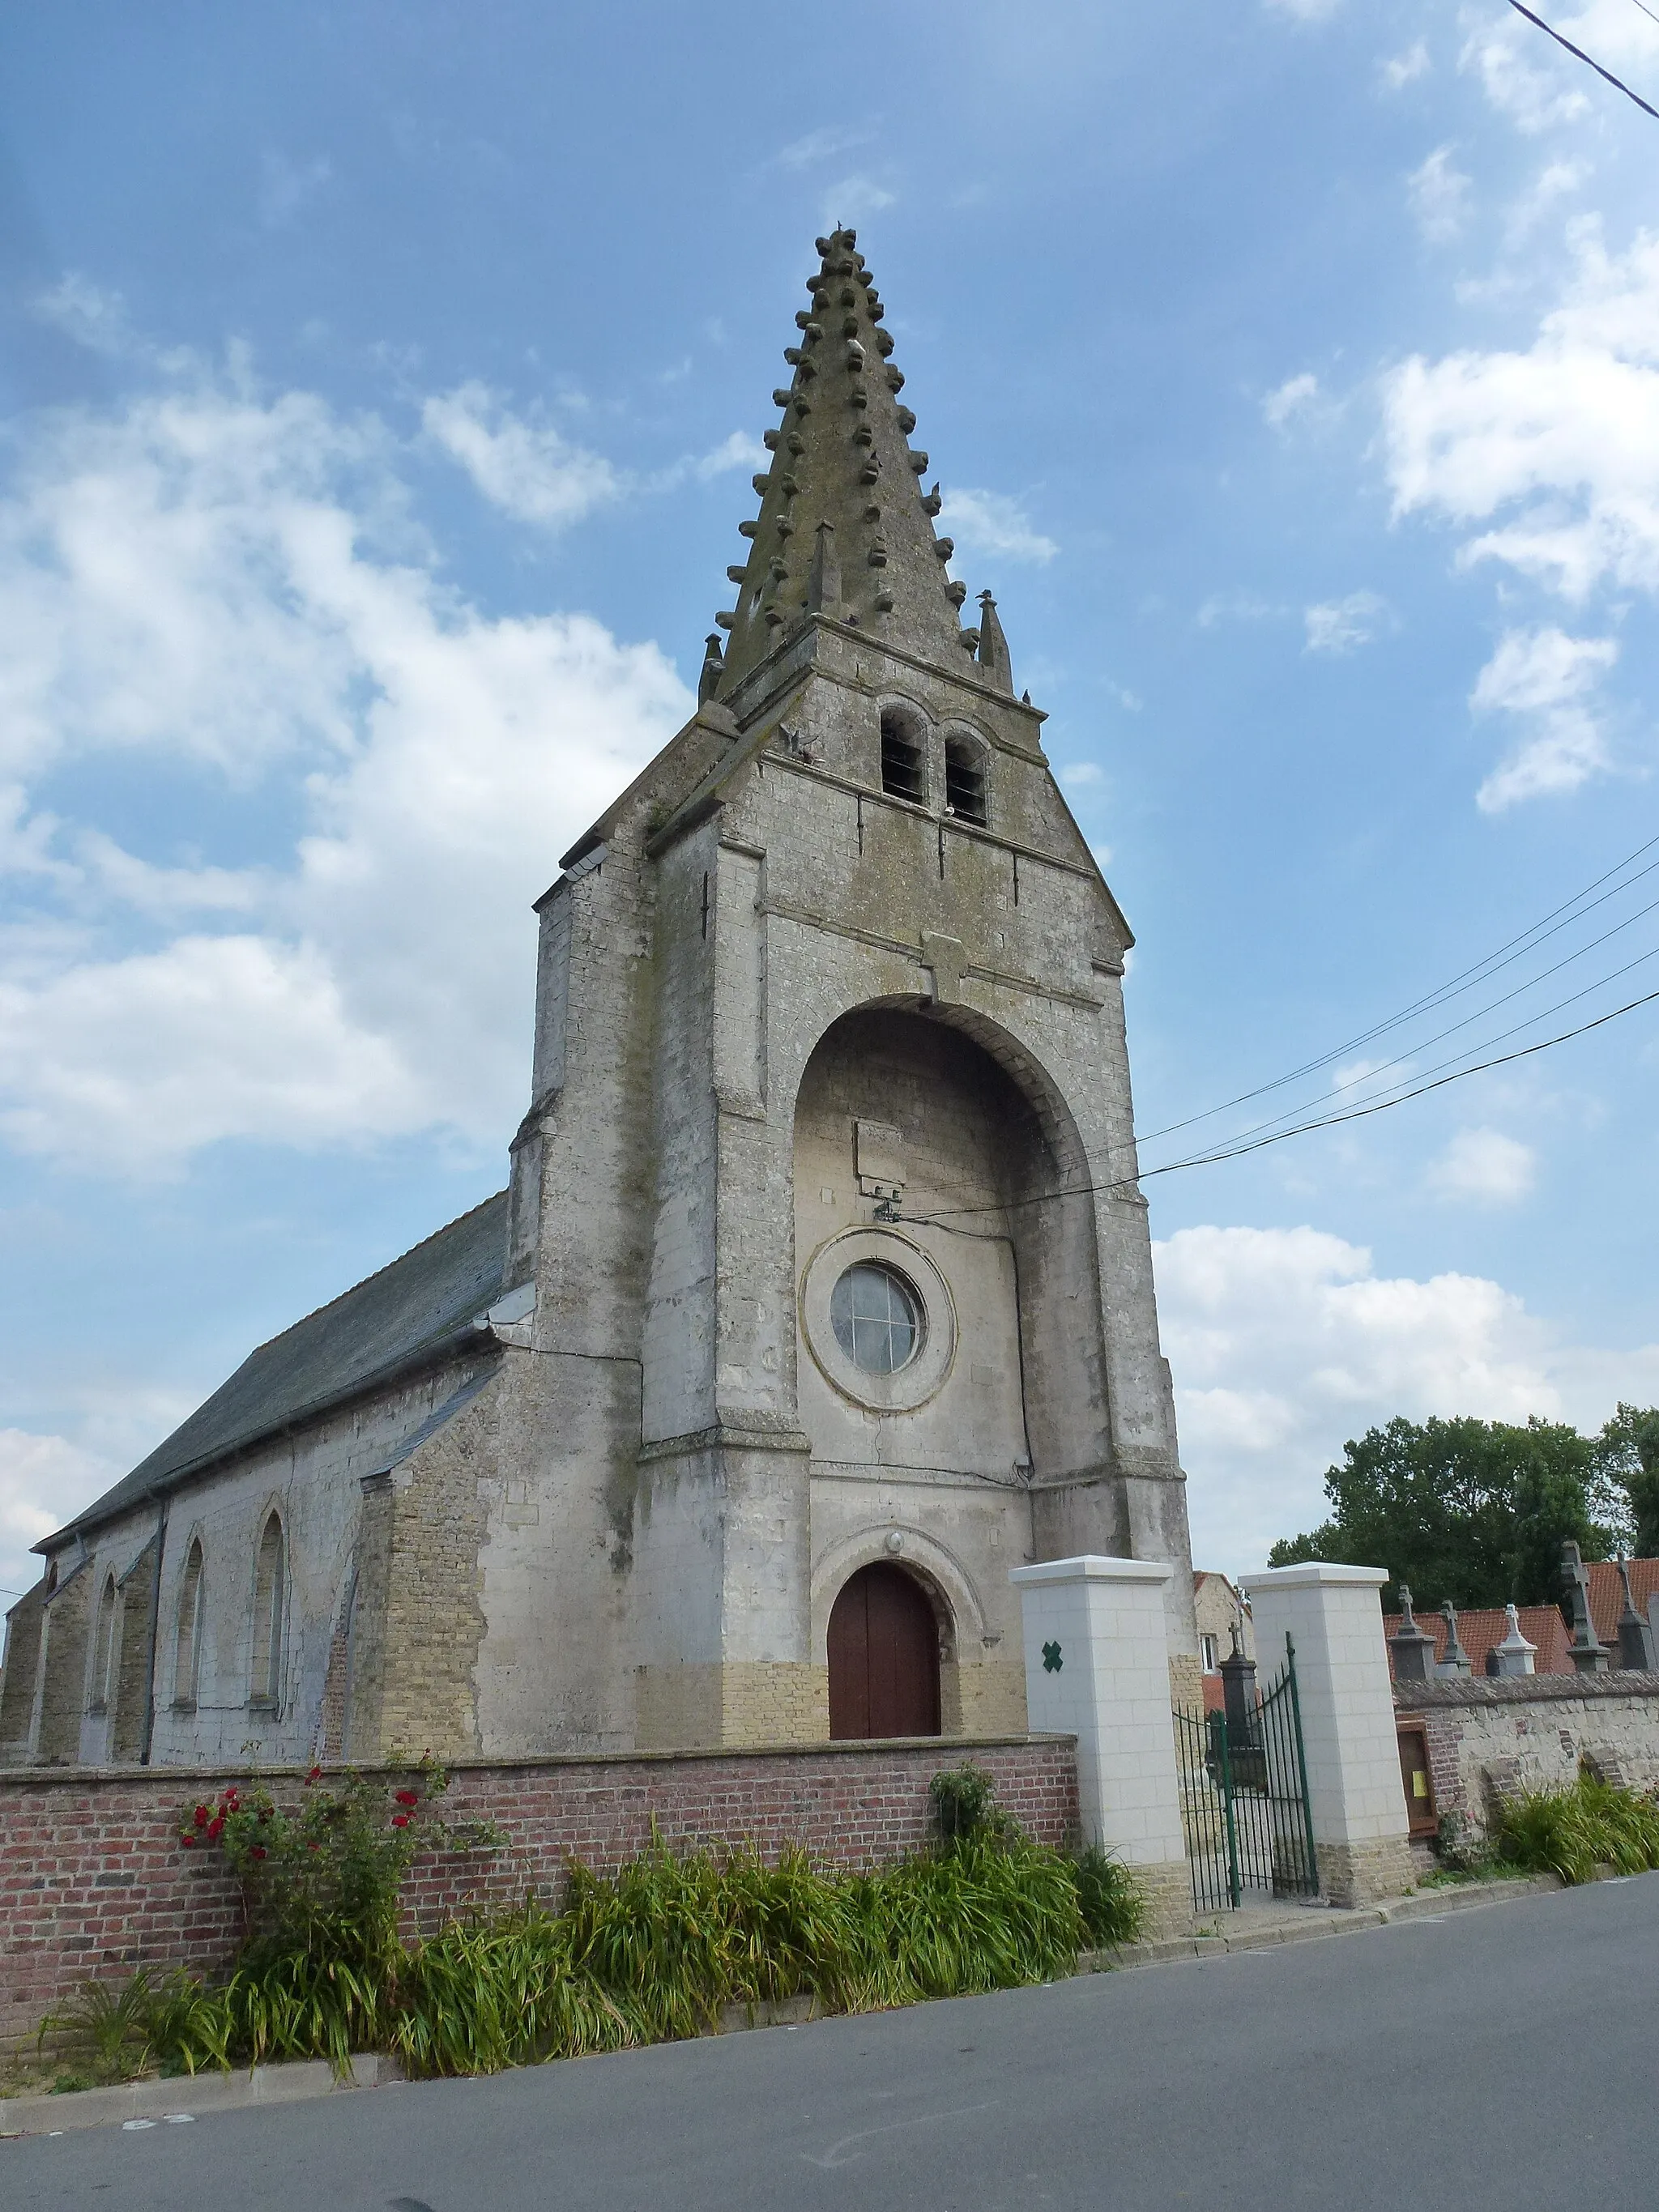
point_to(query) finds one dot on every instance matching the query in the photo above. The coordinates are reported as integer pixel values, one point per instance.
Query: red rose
(409, 1797)
(400, 1819)
(258, 1852)
(188, 1841)
(316, 1847)
(201, 1816)
(215, 1828)
(315, 1775)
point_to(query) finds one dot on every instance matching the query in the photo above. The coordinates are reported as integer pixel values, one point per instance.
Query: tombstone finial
(1589, 1655)
(1453, 1660)
(1408, 1647)
(1514, 1655)
(1635, 1652)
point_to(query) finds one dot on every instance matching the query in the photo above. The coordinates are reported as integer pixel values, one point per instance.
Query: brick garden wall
(1490, 1738)
(94, 1882)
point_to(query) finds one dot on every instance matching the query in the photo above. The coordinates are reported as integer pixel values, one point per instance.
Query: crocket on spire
(844, 529)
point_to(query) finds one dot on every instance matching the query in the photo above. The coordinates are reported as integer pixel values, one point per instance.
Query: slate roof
(408, 1312)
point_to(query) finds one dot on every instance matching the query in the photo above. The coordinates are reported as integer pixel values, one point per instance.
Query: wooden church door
(883, 1657)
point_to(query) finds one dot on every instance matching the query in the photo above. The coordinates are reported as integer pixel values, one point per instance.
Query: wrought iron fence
(1245, 1802)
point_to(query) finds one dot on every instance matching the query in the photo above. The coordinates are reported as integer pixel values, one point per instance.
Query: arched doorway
(883, 1657)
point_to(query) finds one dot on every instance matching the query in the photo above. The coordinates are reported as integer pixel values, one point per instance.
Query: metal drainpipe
(154, 1628)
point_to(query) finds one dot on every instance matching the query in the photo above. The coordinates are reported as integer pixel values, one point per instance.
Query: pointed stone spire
(842, 457)
(992, 656)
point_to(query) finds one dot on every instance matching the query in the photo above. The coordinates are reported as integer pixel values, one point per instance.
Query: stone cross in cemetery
(1514, 1655)
(1455, 1660)
(1589, 1655)
(1412, 1650)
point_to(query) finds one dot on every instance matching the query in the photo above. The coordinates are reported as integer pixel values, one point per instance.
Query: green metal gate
(1244, 1803)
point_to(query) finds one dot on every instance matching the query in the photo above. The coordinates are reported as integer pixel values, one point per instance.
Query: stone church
(821, 1293)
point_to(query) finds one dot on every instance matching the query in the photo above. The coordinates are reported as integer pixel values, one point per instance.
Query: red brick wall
(94, 1882)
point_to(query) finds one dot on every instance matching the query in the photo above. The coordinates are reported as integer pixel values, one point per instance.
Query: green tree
(1475, 1511)
(1626, 1477)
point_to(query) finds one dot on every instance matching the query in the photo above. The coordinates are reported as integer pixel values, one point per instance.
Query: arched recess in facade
(944, 1106)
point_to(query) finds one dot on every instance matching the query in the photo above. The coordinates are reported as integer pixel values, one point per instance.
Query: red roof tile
(1482, 1626)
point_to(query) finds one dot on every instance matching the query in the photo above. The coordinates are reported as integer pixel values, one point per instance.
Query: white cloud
(1439, 196)
(1406, 68)
(1294, 396)
(233, 582)
(1305, 11)
(1076, 775)
(1285, 1343)
(43, 1479)
(741, 450)
(1239, 606)
(820, 146)
(1563, 438)
(285, 186)
(854, 199)
(527, 469)
(1547, 679)
(1485, 1166)
(991, 523)
(1340, 626)
(1529, 79)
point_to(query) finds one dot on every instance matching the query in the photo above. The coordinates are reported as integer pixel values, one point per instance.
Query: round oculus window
(876, 1318)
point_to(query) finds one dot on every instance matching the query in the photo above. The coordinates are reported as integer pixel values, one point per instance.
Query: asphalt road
(1504, 2057)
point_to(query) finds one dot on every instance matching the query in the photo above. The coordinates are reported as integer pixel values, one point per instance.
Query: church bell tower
(836, 1280)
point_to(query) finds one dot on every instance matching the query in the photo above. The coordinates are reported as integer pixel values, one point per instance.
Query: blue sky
(381, 388)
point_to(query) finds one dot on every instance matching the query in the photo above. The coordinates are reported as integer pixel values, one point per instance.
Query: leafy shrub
(324, 1876)
(1111, 1900)
(964, 1804)
(1574, 1833)
(653, 1953)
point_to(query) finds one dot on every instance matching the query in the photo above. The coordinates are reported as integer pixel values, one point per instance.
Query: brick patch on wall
(1488, 1739)
(94, 1881)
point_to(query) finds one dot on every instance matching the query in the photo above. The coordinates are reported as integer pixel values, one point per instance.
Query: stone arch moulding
(941, 1574)
(1017, 1061)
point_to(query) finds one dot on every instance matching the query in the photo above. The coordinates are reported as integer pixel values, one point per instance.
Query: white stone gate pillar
(1098, 1668)
(1334, 1615)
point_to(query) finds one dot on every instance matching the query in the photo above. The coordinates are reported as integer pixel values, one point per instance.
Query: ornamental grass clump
(654, 1952)
(1575, 1832)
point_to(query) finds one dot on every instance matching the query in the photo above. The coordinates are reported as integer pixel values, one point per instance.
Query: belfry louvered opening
(965, 779)
(902, 773)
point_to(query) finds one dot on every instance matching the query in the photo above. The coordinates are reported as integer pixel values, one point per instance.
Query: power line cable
(1646, 10)
(1323, 1122)
(1617, 81)
(1543, 1014)
(1513, 948)
(1502, 1037)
